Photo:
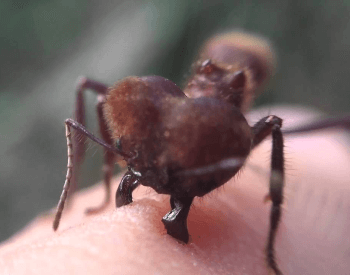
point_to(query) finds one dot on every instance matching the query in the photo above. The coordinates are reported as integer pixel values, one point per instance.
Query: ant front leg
(79, 116)
(264, 127)
(109, 157)
(175, 221)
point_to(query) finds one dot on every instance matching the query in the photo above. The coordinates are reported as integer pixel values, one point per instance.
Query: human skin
(228, 227)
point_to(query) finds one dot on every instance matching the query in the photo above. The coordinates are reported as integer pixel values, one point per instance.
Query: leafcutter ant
(185, 143)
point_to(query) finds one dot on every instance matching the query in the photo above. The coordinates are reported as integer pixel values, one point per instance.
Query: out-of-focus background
(46, 45)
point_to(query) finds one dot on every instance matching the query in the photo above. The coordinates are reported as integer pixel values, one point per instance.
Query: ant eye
(206, 66)
(118, 144)
(238, 80)
(206, 63)
(210, 70)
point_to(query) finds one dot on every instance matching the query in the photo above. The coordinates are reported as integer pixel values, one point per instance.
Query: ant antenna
(67, 182)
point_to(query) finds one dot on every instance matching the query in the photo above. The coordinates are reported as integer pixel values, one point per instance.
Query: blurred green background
(46, 45)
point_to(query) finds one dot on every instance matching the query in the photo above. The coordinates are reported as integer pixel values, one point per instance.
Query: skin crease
(228, 227)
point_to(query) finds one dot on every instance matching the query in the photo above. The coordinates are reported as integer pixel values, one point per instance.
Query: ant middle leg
(175, 221)
(266, 126)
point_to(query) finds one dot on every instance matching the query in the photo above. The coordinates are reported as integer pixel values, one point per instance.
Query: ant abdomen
(232, 67)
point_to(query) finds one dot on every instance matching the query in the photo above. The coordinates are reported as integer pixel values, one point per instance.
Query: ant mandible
(184, 143)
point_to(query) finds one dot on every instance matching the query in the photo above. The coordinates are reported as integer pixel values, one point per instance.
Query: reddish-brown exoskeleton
(185, 143)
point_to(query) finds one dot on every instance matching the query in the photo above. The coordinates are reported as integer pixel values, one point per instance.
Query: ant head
(231, 67)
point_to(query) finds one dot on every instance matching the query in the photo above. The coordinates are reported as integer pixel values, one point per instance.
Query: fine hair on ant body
(184, 143)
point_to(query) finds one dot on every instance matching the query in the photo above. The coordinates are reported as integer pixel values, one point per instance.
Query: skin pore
(228, 228)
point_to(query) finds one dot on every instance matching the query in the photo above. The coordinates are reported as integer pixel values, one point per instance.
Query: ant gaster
(184, 143)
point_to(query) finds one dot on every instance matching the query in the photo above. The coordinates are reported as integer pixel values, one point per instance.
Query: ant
(185, 143)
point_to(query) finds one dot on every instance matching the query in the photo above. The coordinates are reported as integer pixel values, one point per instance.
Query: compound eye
(209, 69)
(118, 144)
(206, 67)
(238, 80)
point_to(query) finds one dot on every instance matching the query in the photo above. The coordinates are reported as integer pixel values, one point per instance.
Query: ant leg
(70, 123)
(79, 115)
(127, 185)
(109, 157)
(265, 126)
(175, 221)
(323, 123)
